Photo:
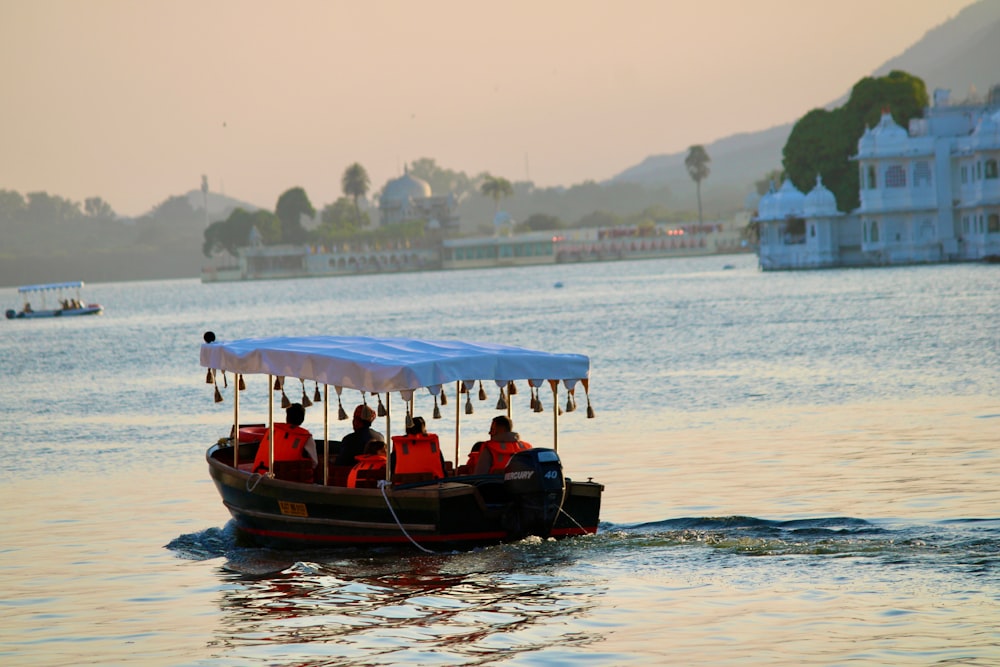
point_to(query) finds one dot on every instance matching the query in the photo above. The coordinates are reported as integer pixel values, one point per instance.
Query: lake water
(800, 469)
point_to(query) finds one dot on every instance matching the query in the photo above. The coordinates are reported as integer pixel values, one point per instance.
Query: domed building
(410, 198)
(929, 194)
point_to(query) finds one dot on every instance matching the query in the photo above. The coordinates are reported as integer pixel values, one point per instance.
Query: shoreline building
(410, 198)
(929, 194)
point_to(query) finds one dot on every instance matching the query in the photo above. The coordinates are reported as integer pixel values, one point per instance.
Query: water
(800, 469)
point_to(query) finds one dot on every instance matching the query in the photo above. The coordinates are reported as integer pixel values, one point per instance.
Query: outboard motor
(533, 479)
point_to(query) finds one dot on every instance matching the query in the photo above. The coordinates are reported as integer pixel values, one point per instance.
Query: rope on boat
(381, 485)
(562, 511)
(254, 477)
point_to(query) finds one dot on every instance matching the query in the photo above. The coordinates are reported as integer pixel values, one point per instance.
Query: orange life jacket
(289, 445)
(364, 463)
(417, 454)
(502, 451)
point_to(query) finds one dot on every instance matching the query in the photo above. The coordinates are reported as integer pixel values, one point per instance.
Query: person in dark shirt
(354, 443)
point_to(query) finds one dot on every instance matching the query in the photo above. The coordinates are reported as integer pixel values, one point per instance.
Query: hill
(960, 55)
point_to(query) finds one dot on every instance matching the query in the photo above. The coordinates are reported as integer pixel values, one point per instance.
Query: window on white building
(871, 177)
(921, 175)
(874, 231)
(895, 177)
(990, 170)
(965, 224)
(979, 171)
(994, 223)
(965, 174)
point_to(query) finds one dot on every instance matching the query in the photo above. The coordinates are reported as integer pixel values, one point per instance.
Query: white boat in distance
(68, 305)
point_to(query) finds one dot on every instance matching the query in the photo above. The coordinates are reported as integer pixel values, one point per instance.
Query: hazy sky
(133, 100)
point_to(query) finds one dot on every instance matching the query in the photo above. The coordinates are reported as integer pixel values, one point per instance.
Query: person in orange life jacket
(373, 458)
(419, 427)
(354, 443)
(291, 441)
(503, 443)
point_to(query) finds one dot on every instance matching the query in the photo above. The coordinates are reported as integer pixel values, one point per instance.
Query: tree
(95, 207)
(822, 142)
(340, 220)
(291, 206)
(540, 222)
(495, 188)
(233, 233)
(355, 184)
(697, 166)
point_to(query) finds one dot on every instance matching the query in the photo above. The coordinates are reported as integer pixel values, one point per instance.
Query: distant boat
(68, 306)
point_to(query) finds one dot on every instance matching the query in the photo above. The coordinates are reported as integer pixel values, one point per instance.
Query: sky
(134, 100)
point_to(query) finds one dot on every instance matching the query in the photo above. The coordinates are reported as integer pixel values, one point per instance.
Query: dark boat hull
(456, 512)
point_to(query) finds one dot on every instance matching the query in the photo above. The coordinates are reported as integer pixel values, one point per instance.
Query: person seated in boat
(354, 443)
(27, 307)
(496, 452)
(373, 458)
(291, 441)
(418, 458)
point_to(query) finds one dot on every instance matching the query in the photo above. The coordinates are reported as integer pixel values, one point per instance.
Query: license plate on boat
(292, 509)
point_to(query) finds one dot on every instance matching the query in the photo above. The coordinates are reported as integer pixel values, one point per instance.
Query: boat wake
(966, 540)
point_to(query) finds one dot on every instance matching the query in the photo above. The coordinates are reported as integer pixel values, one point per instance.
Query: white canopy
(380, 365)
(50, 286)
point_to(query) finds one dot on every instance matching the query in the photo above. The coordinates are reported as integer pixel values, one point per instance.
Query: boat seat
(294, 471)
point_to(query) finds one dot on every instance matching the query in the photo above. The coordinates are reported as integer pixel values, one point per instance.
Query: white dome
(788, 201)
(866, 143)
(404, 188)
(765, 207)
(887, 135)
(820, 201)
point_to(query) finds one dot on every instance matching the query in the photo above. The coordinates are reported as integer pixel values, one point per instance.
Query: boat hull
(62, 312)
(456, 512)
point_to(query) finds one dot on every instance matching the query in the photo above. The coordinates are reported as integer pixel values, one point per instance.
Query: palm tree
(355, 183)
(496, 188)
(697, 165)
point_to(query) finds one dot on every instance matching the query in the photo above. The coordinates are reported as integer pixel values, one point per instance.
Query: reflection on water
(542, 602)
(800, 469)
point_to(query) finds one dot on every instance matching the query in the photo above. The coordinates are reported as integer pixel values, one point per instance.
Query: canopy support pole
(270, 425)
(326, 434)
(388, 437)
(555, 413)
(458, 414)
(236, 422)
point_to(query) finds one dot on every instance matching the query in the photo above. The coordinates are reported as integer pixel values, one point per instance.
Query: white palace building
(928, 195)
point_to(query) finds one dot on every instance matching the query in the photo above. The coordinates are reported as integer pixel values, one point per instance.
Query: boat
(296, 506)
(69, 305)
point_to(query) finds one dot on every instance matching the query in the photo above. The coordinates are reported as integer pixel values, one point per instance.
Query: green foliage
(234, 232)
(696, 163)
(496, 188)
(823, 142)
(598, 219)
(442, 180)
(340, 221)
(773, 177)
(291, 206)
(540, 222)
(355, 183)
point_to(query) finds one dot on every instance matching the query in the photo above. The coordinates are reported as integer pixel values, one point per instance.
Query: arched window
(871, 177)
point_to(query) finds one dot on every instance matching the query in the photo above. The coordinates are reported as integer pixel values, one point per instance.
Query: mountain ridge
(971, 40)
